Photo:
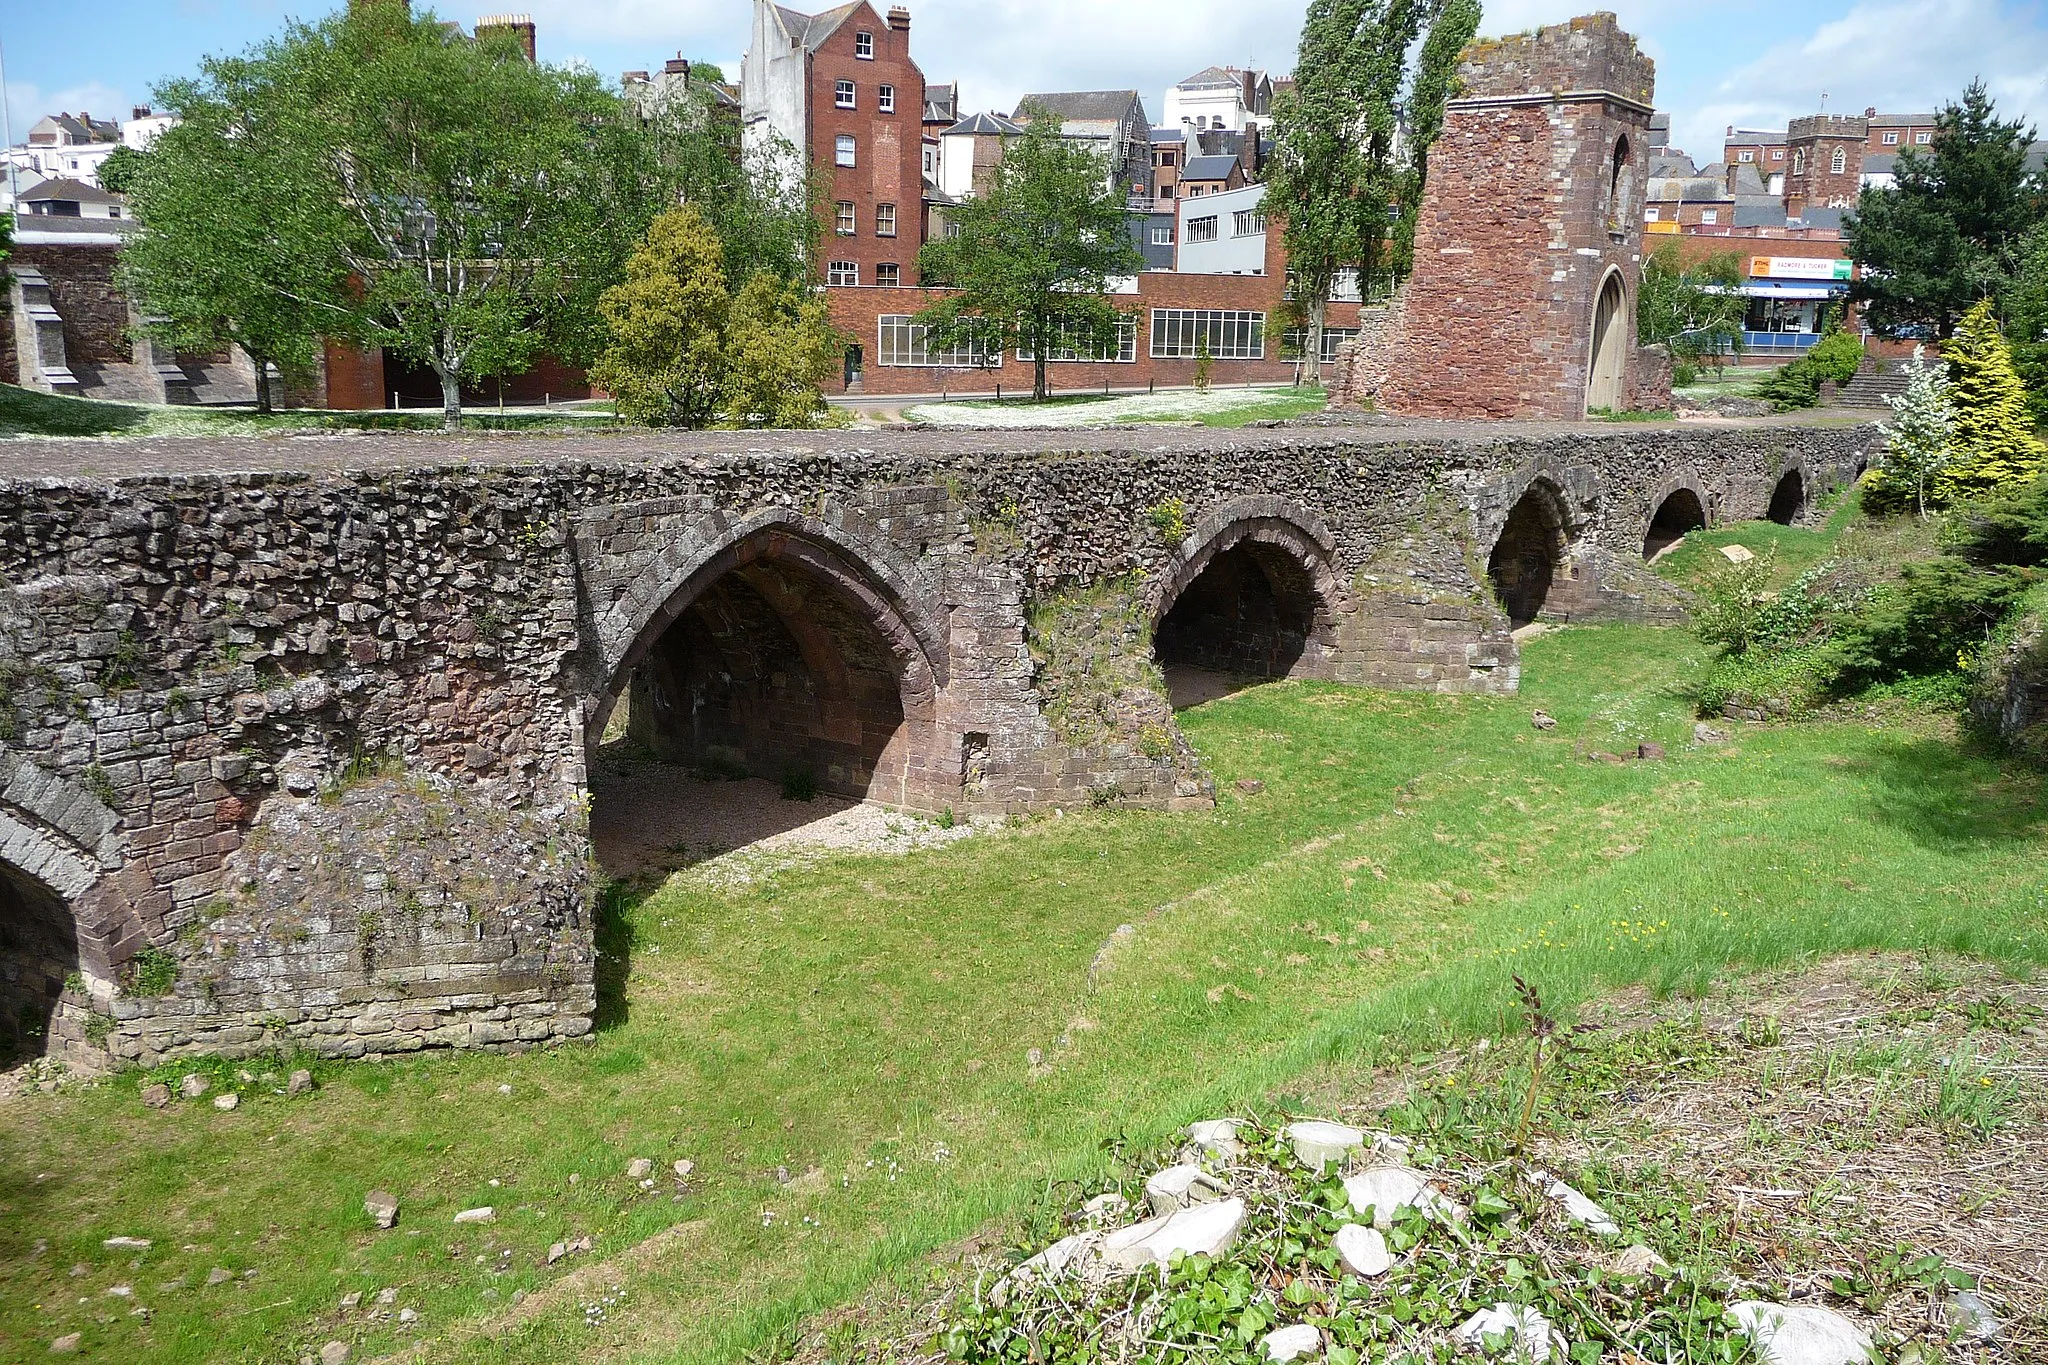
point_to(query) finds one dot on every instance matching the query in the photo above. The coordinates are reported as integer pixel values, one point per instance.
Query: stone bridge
(300, 752)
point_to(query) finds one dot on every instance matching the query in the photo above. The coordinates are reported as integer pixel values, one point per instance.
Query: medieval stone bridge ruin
(300, 753)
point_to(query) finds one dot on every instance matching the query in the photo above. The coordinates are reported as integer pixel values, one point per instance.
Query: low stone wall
(301, 754)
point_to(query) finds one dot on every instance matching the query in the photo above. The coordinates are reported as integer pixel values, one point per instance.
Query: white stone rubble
(1178, 1187)
(1801, 1334)
(1291, 1343)
(1318, 1143)
(1530, 1339)
(1386, 1190)
(1577, 1206)
(1363, 1251)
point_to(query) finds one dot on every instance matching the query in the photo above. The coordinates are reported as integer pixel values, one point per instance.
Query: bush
(1800, 678)
(1835, 356)
(1933, 621)
(1731, 599)
(2007, 528)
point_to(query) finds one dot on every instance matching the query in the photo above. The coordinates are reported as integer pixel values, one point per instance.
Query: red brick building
(1825, 166)
(841, 87)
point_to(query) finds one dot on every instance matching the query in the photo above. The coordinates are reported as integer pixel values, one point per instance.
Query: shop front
(1789, 300)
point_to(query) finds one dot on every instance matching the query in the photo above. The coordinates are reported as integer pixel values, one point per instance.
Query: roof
(1105, 106)
(941, 102)
(81, 128)
(1209, 168)
(1880, 163)
(1660, 120)
(1747, 180)
(1769, 211)
(1817, 217)
(1762, 137)
(1211, 78)
(1701, 189)
(68, 191)
(1902, 121)
(813, 29)
(1161, 136)
(1676, 163)
(986, 123)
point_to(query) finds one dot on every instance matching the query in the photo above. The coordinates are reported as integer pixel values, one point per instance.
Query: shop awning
(1779, 289)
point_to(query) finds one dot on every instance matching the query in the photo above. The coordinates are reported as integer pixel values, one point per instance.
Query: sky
(1753, 63)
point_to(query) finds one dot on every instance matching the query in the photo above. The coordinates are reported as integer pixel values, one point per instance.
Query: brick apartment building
(842, 88)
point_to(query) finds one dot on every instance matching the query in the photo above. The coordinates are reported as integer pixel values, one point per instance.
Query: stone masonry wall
(318, 739)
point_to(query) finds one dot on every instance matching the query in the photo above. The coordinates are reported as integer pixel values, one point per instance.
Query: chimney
(676, 66)
(1871, 112)
(1248, 152)
(899, 19)
(141, 111)
(520, 26)
(632, 78)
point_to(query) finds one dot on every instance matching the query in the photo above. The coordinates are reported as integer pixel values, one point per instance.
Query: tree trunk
(1312, 345)
(451, 399)
(1038, 394)
(262, 368)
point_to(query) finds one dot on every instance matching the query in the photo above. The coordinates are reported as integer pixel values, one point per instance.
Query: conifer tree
(1917, 438)
(665, 364)
(1994, 444)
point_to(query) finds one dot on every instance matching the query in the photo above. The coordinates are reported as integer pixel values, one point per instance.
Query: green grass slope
(846, 1048)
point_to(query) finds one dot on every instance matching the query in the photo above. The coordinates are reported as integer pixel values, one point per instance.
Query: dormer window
(864, 46)
(842, 94)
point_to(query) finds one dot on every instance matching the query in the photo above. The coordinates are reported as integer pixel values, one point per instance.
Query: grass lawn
(1214, 408)
(867, 1058)
(26, 412)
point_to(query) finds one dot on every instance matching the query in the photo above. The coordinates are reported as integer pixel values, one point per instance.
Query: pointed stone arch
(1531, 549)
(1607, 361)
(1252, 590)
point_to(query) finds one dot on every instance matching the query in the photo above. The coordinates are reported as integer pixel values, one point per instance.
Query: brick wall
(1534, 204)
(83, 291)
(1810, 177)
(889, 148)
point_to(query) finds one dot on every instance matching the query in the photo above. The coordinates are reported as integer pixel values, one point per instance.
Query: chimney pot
(1871, 112)
(675, 66)
(899, 19)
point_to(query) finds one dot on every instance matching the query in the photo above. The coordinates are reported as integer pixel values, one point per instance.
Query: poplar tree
(1336, 185)
(1994, 444)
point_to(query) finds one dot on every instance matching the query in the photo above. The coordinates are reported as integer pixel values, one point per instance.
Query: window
(885, 220)
(1745, 156)
(1230, 334)
(1166, 190)
(1799, 163)
(1194, 191)
(885, 99)
(1923, 138)
(1202, 229)
(1064, 350)
(1777, 153)
(864, 46)
(842, 154)
(1249, 223)
(843, 272)
(888, 276)
(1333, 337)
(1650, 214)
(1162, 236)
(1891, 139)
(842, 94)
(1709, 216)
(843, 220)
(901, 342)
(1839, 162)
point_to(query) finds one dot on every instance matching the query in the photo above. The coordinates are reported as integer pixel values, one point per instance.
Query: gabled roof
(941, 102)
(68, 191)
(992, 124)
(1903, 121)
(1089, 106)
(1210, 78)
(1209, 168)
(812, 30)
(1161, 136)
(80, 129)
(1675, 163)
(1747, 180)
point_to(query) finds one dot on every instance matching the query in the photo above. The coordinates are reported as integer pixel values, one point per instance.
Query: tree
(1916, 449)
(118, 168)
(1034, 255)
(1693, 309)
(1334, 173)
(489, 200)
(1947, 231)
(2026, 320)
(258, 268)
(1994, 445)
(665, 364)
(684, 351)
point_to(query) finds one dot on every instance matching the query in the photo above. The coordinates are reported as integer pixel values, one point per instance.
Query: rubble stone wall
(302, 754)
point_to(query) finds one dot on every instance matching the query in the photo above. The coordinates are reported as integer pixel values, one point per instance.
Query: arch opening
(1675, 516)
(778, 689)
(1529, 555)
(38, 950)
(1610, 338)
(1788, 499)
(1247, 617)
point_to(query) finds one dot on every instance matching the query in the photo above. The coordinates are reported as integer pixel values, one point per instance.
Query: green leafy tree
(118, 168)
(1034, 255)
(1947, 231)
(1994, 445)
(1693, 309)
(2026, 320)
(684, 351)
(665, 363)
(489, 200)
(1334, 172)
(780, 348)
(1916, 449)
(259, 268)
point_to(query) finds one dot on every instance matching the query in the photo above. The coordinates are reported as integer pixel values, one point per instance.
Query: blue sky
(1749, 62)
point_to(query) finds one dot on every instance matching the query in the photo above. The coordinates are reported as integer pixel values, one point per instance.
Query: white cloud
(27, 103)
(1901, 56)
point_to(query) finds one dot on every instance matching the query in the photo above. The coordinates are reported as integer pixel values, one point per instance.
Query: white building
(1219, 97)
(1223, 234)
(72, 146)
(969, 150)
